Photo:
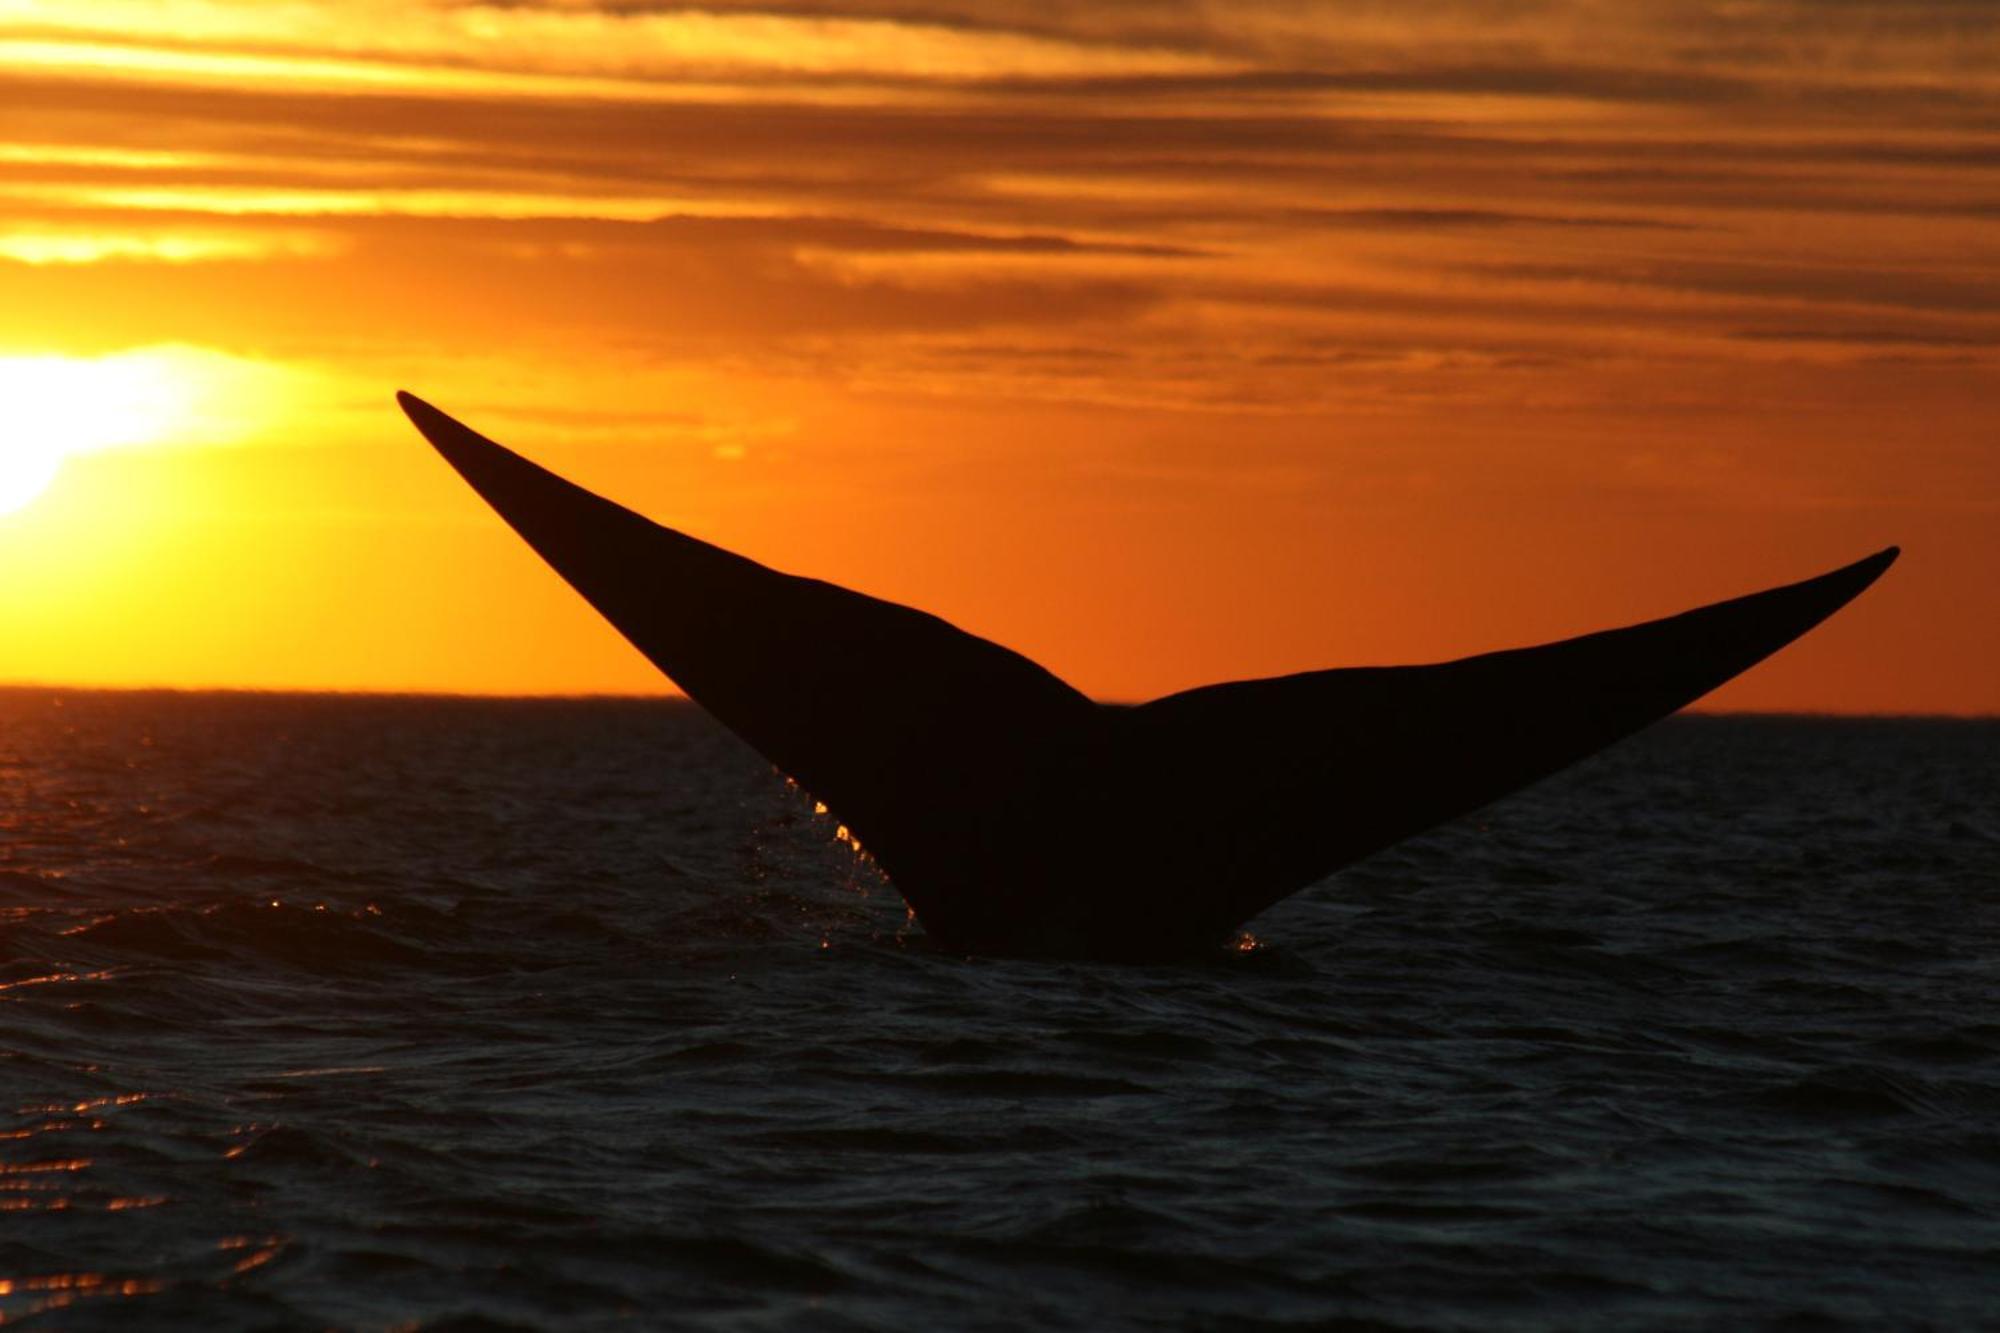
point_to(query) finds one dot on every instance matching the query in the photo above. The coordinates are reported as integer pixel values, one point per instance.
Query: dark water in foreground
(373, 1013)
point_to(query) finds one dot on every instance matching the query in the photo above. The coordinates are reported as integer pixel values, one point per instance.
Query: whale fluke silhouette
(1017, 816)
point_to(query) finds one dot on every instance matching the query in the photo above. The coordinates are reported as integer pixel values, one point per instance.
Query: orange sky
(1165, 342)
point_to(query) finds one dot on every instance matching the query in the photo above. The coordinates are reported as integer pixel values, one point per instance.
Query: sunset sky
(1164, 342)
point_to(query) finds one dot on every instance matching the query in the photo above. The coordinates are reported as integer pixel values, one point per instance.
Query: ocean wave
(371, 1013)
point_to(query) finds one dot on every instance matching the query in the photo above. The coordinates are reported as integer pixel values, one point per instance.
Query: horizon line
(676, 697)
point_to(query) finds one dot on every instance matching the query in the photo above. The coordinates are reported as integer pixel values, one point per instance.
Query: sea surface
(386, 1013)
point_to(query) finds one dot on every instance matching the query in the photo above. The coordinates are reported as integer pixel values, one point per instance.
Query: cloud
(1871, 337)
(366, 43)
(1417, 219)
(1838, 284)
(1477, 188)
(28, 245)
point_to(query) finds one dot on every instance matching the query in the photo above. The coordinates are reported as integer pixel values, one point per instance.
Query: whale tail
(1355, 759)
(1017, 816)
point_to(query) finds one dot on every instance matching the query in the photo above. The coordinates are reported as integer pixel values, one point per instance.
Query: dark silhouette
(1017, 816)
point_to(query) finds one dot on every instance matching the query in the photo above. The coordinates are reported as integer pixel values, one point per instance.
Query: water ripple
(451, 1014)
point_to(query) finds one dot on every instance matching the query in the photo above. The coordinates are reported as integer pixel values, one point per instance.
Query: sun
(26, 469)
(54, 406)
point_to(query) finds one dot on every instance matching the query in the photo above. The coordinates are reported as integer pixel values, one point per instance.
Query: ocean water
(394, 1013)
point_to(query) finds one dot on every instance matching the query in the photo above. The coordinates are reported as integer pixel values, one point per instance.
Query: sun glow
(26, 469)
(55, 406)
